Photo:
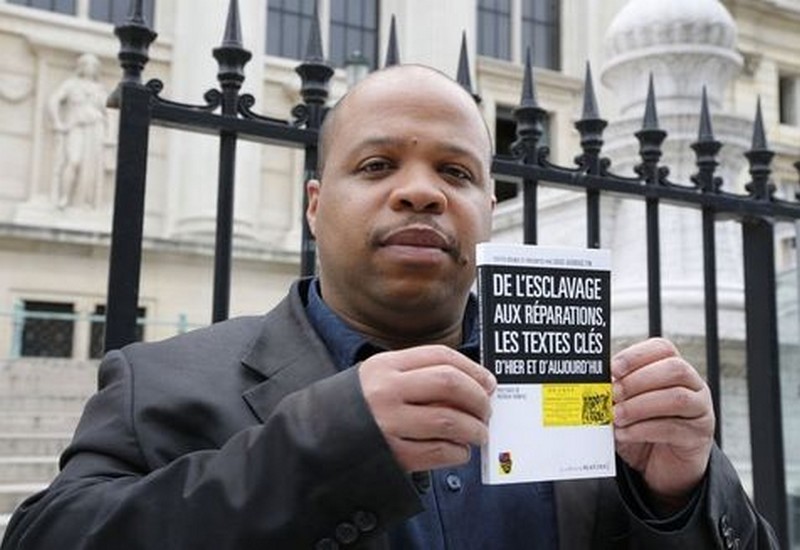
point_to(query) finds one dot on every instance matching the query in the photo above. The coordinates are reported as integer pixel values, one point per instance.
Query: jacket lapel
(287, 353)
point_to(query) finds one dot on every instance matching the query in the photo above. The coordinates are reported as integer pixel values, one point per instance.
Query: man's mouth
(417, 236)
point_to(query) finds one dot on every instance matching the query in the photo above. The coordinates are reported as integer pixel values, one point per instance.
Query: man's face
(404, 197)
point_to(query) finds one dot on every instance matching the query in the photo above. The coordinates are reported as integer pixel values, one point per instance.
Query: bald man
(348, 416)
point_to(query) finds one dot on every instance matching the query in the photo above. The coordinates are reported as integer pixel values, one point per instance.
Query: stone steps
(38, 421)
(41, 401)
(28, 469)
(33, 444)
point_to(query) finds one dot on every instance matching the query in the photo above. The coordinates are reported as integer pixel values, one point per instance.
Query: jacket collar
(287, 352)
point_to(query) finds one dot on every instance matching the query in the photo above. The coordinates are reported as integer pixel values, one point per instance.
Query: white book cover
(545, 334)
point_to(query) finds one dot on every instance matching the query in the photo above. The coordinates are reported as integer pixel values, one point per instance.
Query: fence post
(315, 73)
(529, 116)
(133, 100)
(231, 58)
(763, 360)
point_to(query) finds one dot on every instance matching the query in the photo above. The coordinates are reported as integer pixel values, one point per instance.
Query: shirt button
(365, 521)
(346, 533)
(326, 544)
(453, 482)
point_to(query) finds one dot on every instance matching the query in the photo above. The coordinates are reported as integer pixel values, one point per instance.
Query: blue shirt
(460, 512)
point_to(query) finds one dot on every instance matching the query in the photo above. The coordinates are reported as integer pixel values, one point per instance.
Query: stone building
(57, 152)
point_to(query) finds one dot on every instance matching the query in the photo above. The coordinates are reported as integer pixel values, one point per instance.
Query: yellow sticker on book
(576, 404)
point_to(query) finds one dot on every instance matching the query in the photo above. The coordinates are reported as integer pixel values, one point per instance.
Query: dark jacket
(243, 435)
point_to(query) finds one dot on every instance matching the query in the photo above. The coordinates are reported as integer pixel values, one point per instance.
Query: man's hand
(664, 419)
(430, 402)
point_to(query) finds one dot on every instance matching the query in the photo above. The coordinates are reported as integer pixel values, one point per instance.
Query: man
(315, 426)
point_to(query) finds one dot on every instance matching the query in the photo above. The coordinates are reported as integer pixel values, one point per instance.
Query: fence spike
(590, 110)
(760, 157)
(135, 37)
(392, 52)
(706, 148)
(650, 121)
(705, 133)
(315, 73)
(590, 126)
(233, 26)
(759, 136)
(314, 45)
(528, 98)
(463, 77)
(529, 117)
(231, 58)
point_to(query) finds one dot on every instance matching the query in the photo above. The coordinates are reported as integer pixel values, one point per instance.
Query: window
(109, 11)
(789, 99)
(47, 329)
(58, 6)
(288, 27)
(97, 331)
(354, 30)
(353, 26)
(116, 11)
(505, 135)
(540, 32)
(506, 28)
(494, 28)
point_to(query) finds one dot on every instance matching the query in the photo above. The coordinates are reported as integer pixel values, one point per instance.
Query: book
(544, 332)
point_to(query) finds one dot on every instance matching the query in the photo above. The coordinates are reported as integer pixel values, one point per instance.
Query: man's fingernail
(616, 392)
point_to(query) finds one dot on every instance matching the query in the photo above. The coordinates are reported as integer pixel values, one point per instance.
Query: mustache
(453, 246)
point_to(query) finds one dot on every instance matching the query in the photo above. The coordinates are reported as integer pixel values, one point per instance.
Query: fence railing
(72, 335)
(229, 115)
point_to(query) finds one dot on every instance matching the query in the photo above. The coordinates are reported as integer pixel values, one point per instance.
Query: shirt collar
(347, 346)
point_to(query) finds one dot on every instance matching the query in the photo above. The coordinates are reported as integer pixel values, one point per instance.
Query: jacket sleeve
(719, 516)
(310, 472)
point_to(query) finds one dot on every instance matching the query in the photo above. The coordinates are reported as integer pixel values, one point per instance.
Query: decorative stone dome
(643, 24)
(685, 44)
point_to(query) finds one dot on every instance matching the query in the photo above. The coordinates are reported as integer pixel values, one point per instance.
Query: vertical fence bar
(529, 118)
(706, 149)
(763, 359)
(231, 57)
(763, 376)
(315, 74)
(128, 221)
(591, 127)
(134, 102)
(650, 139)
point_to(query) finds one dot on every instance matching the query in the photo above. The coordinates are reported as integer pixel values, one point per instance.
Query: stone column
(193, 159)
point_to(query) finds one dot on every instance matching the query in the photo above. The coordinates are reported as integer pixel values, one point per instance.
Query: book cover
(545, 334)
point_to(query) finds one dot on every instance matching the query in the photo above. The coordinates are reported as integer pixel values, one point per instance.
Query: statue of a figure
(77, 110)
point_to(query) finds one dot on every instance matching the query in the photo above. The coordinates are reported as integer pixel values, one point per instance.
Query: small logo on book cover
(505, 462)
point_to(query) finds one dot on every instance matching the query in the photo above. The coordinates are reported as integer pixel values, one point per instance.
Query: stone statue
(77, 111)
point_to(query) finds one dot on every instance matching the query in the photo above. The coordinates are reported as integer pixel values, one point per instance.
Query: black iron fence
(230, 115)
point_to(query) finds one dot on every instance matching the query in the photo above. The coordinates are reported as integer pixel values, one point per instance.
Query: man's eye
(458, 173)
(375, 166)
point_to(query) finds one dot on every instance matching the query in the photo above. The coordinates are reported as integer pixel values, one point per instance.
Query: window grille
(48, 329)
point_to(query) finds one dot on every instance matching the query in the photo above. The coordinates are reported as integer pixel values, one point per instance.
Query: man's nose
(419, 191)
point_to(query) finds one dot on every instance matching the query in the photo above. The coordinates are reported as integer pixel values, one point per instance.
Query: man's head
(403, 197)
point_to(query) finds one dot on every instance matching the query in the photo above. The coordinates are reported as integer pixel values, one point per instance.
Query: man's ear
(312, 190)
